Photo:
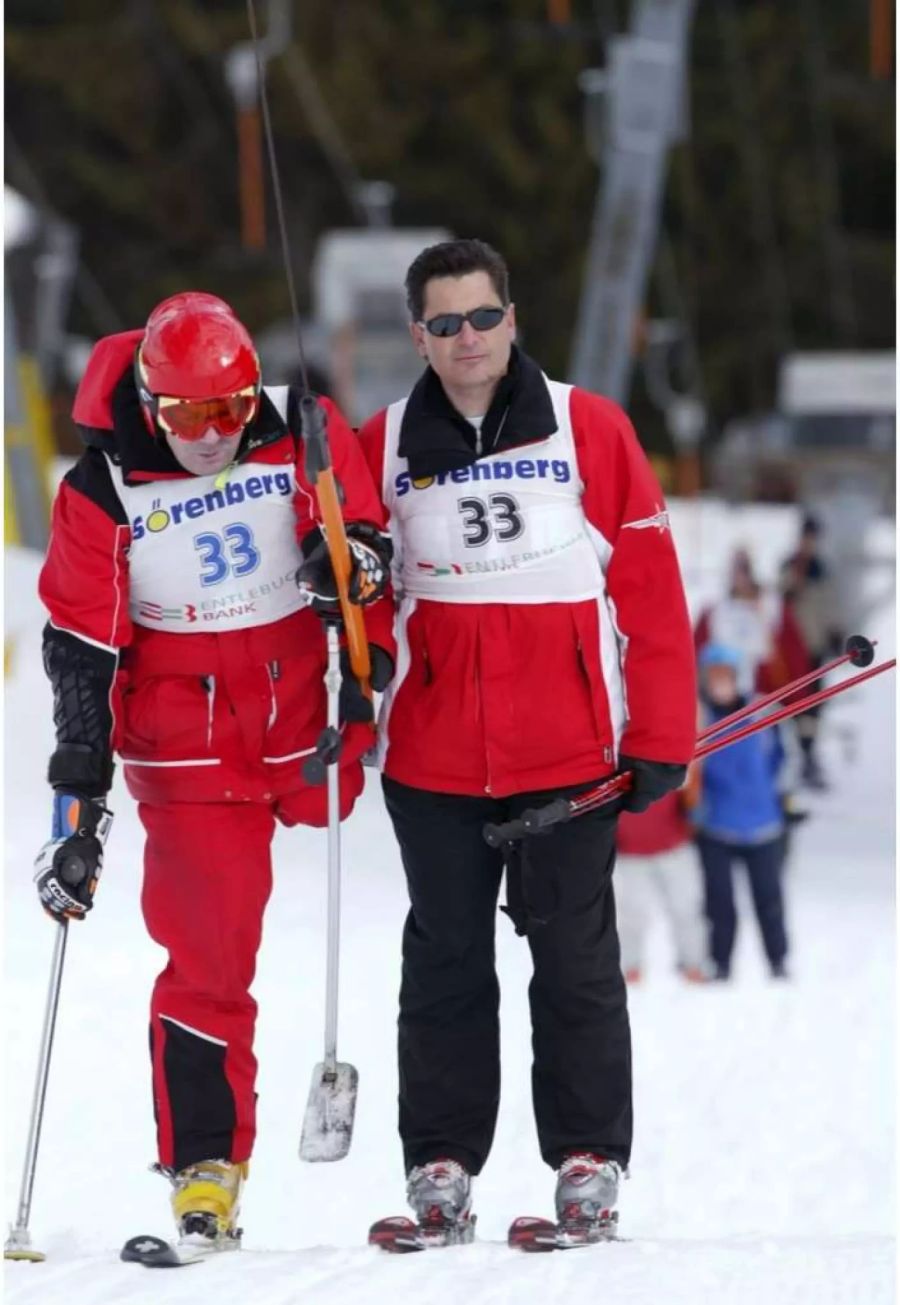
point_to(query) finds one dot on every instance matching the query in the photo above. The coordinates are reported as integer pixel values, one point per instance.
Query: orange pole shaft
(336, 536)
(881, 53)
(250, 174)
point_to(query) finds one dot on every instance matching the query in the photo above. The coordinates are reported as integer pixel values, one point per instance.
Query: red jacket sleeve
(625, 509)
(84, 579)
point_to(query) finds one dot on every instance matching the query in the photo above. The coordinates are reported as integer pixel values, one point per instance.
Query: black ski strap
(532, 888)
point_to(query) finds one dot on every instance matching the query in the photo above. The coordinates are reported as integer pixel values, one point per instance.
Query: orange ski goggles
(190, 419)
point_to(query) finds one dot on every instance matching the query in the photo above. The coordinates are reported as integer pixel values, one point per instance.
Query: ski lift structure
(361, 313)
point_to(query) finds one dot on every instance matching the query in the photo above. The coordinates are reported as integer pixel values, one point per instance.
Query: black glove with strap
(651, 780)
(370, 569)
(67, 868)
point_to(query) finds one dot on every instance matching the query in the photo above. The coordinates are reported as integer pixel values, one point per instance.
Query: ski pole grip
(497, 835)
(860, 650)
(554, 813)
(532, 821)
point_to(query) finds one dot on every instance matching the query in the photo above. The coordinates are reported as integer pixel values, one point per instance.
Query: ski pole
(18, 1243)
(333, 683)
(714, 745)
(858, 650)
(537, 819)
(331, 1105)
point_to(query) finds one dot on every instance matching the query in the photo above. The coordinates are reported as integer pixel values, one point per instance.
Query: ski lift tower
(636, 110)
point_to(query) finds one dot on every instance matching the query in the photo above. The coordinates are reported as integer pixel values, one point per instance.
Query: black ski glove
(650, 780)
(370, 569)
(352, 703)
(67, 868)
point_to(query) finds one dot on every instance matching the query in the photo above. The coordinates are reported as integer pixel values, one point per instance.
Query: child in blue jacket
(740, 819)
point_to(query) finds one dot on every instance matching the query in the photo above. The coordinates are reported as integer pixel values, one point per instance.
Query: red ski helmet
(195, 350)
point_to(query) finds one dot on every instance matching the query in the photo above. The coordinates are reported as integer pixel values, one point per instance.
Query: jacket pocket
(427, 669)
(169, 718)
(296, 710)
(587, 647)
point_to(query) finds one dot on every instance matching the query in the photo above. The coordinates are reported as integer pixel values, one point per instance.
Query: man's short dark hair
(454, 258)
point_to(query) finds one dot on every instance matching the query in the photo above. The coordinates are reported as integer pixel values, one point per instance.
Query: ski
(396, 1234)
(156, 1253)
(532, 1234)
(399, 1235)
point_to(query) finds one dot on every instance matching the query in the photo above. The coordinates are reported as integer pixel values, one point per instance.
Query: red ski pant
(207, 878)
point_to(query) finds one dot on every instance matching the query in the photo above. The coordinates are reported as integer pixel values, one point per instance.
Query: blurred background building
(696, 202)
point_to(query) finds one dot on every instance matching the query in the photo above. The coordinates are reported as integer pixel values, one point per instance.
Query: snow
(763, 1168)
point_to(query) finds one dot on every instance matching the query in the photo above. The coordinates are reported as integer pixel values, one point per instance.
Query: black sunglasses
(482, 319)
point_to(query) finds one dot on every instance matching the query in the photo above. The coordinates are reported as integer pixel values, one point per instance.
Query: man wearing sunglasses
(183, 578)
(543, 643)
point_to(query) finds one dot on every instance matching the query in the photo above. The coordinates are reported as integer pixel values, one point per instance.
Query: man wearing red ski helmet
(183, 580)
(198, 378)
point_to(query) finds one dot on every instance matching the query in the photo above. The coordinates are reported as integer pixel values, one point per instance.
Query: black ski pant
(764, 862)
(449, 1046)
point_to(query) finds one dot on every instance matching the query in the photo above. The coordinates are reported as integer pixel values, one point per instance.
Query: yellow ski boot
(205, 1203)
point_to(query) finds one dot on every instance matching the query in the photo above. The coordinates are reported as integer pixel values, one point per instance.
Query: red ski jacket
(203, 700)
(500, 697)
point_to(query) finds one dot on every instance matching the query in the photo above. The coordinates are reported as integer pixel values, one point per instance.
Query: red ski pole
(787, 712)
(858, 650)
(539, 818)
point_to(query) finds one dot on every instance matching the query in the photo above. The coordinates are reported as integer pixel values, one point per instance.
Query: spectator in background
(655, 861)
(740, 818)
(811, 599)
(757, 621)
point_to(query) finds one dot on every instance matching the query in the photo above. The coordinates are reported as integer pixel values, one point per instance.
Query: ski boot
(205, 1203)
(587, 1190)
(440, 1193)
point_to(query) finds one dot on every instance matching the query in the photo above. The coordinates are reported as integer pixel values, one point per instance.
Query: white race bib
(508, 528)
(212, 553)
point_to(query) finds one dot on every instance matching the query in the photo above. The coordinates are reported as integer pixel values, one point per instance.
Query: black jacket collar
(144, 457)
(434, 437)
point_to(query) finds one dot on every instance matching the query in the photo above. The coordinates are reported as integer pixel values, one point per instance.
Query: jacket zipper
(209, 684)
(479, 711)
(273, 669)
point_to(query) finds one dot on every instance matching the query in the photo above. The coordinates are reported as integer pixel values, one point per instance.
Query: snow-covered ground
(763, 1169)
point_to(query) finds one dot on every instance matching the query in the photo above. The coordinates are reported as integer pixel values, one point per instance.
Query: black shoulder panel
(91, 477)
